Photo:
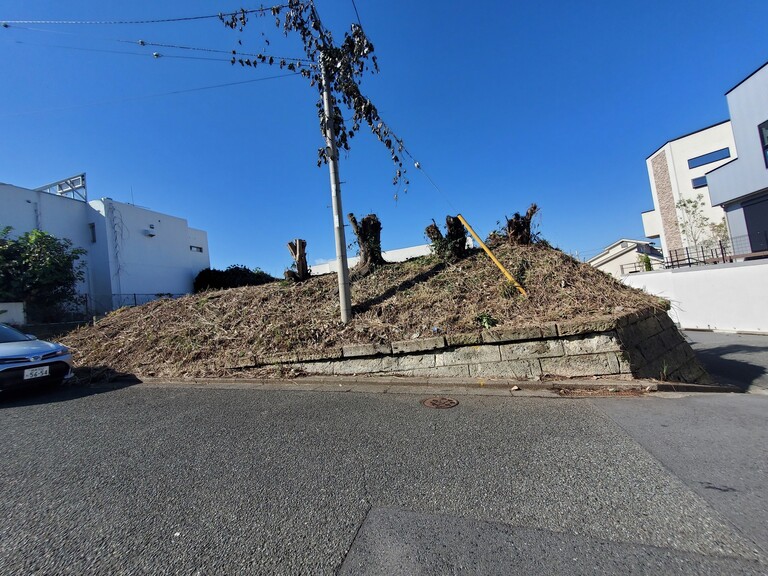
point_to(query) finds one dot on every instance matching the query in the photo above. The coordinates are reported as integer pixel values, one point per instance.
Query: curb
(376, 383)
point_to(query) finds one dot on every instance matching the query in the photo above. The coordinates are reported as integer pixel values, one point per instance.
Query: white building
(396, 255)
(741, 186)
(133, 254)
(679, 171)
(627, 257)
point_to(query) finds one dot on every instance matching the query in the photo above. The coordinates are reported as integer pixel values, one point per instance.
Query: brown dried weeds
(227, 333)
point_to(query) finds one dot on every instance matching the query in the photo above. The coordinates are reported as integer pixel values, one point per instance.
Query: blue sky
(502, 103)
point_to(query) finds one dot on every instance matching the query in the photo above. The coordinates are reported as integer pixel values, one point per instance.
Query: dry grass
(224, 333)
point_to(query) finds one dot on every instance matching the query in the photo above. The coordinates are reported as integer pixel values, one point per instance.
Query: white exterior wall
(123, 259)
(25, 210)
(13, 313)
(733, 298)
(396, 255)
(677, 153)
(149, 252)
(748, 106)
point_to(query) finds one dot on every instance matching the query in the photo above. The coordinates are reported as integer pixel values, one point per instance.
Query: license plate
(30, 373)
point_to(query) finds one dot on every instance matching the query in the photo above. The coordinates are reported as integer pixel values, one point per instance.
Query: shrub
(234, 276)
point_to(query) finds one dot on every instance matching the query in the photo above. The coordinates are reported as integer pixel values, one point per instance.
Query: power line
(357, 13)
(162, 45)
(5, 23)
(158, 95)
(105, 51)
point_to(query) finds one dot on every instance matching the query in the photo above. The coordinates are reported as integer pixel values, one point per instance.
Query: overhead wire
(131, 22)
(304, 61)
(158, 95)
(14, 23)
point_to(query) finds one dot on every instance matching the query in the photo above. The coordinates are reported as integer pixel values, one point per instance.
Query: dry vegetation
(224, 333)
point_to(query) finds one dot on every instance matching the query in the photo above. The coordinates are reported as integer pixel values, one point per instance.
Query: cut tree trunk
(368, 233)
(298, 250)
(519, 227)
(454, 244)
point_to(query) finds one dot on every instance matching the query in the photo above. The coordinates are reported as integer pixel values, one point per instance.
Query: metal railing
(737, 248)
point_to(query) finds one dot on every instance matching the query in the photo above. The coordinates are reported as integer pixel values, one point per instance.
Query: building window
(709, 158)
(699, 182)
(196, 248)
(763, 129)
(92, 228)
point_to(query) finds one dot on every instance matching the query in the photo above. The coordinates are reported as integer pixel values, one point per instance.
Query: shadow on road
(727, 370)
(47, 395)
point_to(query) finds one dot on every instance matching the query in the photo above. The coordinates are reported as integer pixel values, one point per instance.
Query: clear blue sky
(503, 104)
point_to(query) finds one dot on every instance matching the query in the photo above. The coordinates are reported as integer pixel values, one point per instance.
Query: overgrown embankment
(224, 333)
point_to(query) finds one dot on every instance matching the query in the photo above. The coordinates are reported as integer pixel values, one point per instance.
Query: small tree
(40, 270)
(694, 225)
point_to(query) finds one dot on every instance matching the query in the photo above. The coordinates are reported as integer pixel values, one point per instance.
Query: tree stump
(298, 250)
(519, 227)
(368, 233)
(453, 244)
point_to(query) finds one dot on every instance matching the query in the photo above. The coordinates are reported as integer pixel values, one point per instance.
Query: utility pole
(345, 301)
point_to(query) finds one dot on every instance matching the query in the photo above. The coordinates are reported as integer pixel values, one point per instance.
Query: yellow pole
(492, 257)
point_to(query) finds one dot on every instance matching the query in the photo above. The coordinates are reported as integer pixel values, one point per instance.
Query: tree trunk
(368, 233)
(519, 227)
(298, 250)
(454, 244)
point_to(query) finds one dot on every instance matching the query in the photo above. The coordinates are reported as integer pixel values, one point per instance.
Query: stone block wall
(642, 344)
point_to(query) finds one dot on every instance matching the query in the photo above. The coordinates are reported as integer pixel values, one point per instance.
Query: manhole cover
(440, 402)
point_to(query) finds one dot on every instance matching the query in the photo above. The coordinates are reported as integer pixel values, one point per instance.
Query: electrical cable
(304, 61)
(105, 51)
(158, 95)
(4, 23)
(357, 13)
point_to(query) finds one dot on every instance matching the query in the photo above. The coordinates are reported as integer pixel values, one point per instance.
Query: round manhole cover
(440, 402)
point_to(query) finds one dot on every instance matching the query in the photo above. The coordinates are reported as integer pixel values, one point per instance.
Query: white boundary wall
(13, 313)
(728, 297)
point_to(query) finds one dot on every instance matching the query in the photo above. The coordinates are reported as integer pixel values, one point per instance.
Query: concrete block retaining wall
(642, 344)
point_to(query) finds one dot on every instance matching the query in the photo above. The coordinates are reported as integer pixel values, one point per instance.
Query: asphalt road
(175, 480)
(737, 359)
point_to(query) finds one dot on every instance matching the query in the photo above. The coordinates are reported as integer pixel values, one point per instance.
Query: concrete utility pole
(345, 301)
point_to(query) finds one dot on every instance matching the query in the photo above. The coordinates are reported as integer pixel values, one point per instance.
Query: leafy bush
(234, 276)
(40, 270)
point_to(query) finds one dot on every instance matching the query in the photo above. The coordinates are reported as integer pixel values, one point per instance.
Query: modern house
(133, 254)
(678, 171)
(627, 257)
(741, 185)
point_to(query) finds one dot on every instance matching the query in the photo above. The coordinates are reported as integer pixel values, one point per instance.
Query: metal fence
(95, 304)
(736, 249)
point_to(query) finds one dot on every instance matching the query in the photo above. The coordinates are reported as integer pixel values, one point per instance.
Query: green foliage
(645, 262)
(40, 270)
(234, 276)
(486, 320)
(694, 225)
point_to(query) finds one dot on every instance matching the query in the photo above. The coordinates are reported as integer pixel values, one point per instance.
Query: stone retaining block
(639, 344)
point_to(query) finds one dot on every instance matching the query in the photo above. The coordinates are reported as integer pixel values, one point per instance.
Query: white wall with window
(130, 250)
(741, 186)
(678, 171)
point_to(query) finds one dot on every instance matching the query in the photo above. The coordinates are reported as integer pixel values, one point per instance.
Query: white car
(26, 361)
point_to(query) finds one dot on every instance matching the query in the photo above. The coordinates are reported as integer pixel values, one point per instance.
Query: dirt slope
(221, 333)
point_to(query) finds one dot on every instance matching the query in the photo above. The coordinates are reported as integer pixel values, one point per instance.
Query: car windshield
(8, 334)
